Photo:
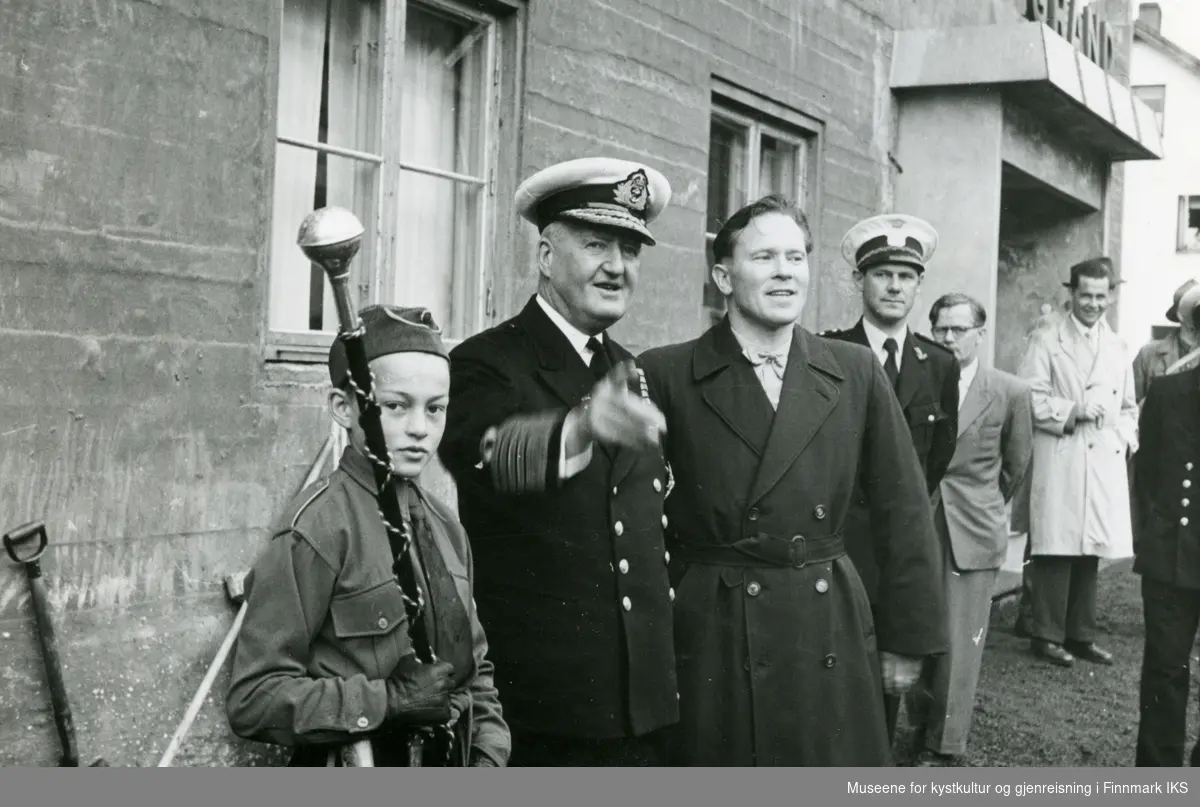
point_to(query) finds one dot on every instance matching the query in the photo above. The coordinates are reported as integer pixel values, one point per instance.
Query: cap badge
(634, 192)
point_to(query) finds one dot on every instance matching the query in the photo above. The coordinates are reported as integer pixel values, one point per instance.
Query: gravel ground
(1029, 713)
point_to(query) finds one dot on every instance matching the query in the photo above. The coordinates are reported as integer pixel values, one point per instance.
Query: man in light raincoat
(1085, 424)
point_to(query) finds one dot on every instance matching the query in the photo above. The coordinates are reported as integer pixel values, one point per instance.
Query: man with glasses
(995, 443)
(889, 254)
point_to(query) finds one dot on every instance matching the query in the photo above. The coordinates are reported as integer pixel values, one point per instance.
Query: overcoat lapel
(1074, 345)
(806, 401)
(730, 388)
(978, 398)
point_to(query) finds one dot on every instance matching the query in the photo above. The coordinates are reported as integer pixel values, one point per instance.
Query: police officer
(555, 451)
(889, 254)
(325, 657)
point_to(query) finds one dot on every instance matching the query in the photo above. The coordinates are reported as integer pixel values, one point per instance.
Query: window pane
(779, 162)
(726, 170)
(439, 231)
(1192, 233)
(300, 296)
(329, 92)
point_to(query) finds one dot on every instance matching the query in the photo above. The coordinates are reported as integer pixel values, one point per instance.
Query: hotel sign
(1077, 23)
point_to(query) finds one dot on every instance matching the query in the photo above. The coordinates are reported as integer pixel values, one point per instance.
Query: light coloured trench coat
(1079, 497)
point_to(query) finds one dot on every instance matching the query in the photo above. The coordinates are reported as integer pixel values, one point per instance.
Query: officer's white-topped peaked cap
(596, 190)
(891, 238)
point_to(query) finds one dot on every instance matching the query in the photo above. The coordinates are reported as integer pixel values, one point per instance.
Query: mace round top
(328, 226)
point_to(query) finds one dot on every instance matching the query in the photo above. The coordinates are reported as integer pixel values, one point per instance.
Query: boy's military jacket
(325, 624)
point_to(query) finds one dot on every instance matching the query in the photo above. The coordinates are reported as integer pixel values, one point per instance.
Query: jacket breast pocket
(370, 625)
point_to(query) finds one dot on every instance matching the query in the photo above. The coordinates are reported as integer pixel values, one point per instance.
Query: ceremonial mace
(330, 237)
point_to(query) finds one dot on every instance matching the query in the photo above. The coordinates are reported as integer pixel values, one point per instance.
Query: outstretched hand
(615, 416)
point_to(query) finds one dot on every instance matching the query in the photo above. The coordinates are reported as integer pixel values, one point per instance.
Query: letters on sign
(1078, 24)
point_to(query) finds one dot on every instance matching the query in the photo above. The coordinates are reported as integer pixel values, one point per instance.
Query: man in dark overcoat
(889, 254)
(561, 482)
(1166, 546)
(770, 431)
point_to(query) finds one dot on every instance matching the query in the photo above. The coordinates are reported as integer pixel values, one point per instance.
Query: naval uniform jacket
(1166, 482)
(927, 389)
(571, 574)
(325, 625)
(775, 641)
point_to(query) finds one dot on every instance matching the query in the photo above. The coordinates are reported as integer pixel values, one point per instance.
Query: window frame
(763, 116)
(1181, 225)
(502, 82)
(1160, 117)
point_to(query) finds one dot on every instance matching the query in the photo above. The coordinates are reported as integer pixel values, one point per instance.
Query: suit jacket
(927, 390)
(571, 577)
(758, 494)
(1166, 482)
(995, 444)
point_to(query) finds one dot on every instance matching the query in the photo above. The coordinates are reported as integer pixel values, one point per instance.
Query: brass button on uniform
(664, 522)
(932, 418)
(671, 594)
(362, 722)
(666, 557)
(623, 566)
(1185, 502)
(1187, 483)
(626, 603)
(753, 514)
(1183, 522)
(819, 512)
(1188, 467)
(619, 528)
(830, 660)
(822, 586)
(614, 491)
(753, 589)
(657, 486)
(382, 623)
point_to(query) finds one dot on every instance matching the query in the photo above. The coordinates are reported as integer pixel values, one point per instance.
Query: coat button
(753, 589)
(362, 722)
(819, 511)
(382, 623)
(1186, 502)
(671, 594)
(822, 586)
(932, 418)
(664, 522)
(623, 566)
(1188, 467)
(614, 491)
(830, 660)
(1187, 483)
(626, 603)
(1183, 522)
(666, 557)
(753, 514)
(657, 486)
(619, 528)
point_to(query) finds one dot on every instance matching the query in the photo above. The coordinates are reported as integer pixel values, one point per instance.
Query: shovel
(24, 534)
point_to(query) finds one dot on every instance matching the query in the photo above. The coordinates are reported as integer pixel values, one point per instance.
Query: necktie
(889, 366)
(600, 365)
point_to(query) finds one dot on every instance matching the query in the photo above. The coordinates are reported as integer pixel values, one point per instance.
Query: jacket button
(1188, 467)
(753, 514)
(671, 594)
(1187, 483)
(666, 557)
(822, 586)
(362, 722)
(830, 660)
(753, 589)
(619, 528)
(614, 491)
(1183, 522)
(657, 486)
(1186, 502)
(932, 418)
(819, 511)
(382, 623)
(623, 566)
(626, 603)
(664, 522)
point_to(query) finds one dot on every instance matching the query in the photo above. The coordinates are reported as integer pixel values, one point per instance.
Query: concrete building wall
(138, 417)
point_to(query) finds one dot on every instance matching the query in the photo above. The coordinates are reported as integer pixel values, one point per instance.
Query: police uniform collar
(876, 336)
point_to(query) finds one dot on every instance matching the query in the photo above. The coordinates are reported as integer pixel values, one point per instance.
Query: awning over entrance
(1035, 68)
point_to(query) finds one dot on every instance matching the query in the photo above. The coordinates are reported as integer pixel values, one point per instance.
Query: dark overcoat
(571, 576)
(775, 642)
(927, 390)
(1166, 482)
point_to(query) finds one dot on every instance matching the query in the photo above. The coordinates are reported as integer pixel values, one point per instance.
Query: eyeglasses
(959, 331)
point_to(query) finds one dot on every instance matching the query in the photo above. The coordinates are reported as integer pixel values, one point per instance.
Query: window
(1155, 97)
(1189, 224)
(752, 153)
(403, 136)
